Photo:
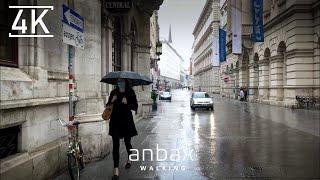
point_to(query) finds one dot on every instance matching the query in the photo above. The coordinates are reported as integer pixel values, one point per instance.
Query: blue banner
(257, 21)
(222, 45)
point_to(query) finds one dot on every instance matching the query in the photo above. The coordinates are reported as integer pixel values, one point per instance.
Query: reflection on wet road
(238, 140)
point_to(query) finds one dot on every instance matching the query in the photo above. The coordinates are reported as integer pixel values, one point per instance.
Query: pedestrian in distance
(121, 123)
(245, 94)
(242, 95)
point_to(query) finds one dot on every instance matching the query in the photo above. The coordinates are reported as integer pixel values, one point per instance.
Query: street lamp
(159, 49)
(158, 53)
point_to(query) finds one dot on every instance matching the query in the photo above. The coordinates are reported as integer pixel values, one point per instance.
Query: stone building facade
(34, 82)
(286, 64)
(154, 39)
(205, 74)
(171, 66)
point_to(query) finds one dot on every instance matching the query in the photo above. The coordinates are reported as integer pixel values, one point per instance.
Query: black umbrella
(134, 78)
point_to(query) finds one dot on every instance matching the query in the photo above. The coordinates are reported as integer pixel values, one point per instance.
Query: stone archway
(133, 47)
(254, 78)
(278, 73)
(244, 70)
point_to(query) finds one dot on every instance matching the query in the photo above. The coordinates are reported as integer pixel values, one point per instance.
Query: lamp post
(158, 53)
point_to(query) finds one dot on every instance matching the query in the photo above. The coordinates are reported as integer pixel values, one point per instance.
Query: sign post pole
(71, 87)
(73, 31)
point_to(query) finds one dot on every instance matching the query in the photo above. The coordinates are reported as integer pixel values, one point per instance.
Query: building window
(116, 44)
(8, 141)
(133, 44)
(8, 46)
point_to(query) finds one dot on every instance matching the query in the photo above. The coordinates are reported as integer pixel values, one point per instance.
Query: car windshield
(166, 93)
(201, 95)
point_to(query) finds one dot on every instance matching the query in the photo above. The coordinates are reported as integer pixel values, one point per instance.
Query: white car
(201, 100)
(165, 96)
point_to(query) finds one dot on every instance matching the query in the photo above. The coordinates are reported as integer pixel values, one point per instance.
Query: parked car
(201, 100)
(165, 96)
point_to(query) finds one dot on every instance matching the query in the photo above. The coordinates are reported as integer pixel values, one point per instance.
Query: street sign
(73, 27)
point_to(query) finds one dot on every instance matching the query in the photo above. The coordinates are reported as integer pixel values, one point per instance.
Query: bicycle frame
(73, 135)
(75, 152)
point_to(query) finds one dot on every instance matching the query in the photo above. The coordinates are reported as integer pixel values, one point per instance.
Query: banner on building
(236, 31)
(222, 45)
(215, 51)
(257, 21)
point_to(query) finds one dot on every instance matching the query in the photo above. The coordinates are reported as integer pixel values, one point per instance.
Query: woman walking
(121, 123)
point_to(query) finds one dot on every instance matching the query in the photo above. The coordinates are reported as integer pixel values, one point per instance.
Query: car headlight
(211, 102)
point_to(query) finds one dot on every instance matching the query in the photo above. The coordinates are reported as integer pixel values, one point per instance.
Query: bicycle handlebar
(65, 124)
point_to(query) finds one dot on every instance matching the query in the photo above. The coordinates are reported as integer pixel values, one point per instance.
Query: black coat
(121, 121)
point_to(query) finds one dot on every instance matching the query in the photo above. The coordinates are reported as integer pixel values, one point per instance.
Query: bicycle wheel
(81, 156)
(73, 167)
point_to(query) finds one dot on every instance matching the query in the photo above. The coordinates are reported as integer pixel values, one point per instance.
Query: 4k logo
(34, 22)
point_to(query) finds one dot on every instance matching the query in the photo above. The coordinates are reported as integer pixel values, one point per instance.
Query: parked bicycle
(75, 152)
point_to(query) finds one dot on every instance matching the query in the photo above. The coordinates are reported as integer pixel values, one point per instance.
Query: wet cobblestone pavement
(239, 140)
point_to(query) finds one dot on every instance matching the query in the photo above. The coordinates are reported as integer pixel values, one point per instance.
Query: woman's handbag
(106, 115)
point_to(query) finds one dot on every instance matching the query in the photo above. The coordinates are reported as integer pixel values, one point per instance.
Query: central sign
(118, 6)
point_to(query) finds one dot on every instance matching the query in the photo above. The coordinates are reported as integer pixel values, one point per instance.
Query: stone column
(243, 82)
(143, 64)
(106, 56)
(88, 62)
(276, 78)
(253, 84)
(104, 60)
(125, 54)
(264, 79)
(300, 80)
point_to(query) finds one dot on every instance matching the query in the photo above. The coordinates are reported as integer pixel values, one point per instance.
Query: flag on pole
(222, 45)
(215, 51)
(236, 31)
(257, 21)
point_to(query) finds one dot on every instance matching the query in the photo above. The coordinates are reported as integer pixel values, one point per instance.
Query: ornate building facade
(34, 83)
(205, 75)
(286, 64)
(171, 66)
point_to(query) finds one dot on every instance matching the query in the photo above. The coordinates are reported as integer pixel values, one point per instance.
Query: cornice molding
(295, 8)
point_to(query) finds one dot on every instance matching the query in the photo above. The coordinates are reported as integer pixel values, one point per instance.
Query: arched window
(116, 44)
(133, 44)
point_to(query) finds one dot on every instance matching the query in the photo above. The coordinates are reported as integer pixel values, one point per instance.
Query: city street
(238, 140)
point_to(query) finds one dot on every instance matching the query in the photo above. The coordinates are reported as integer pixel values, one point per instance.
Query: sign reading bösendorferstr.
(73, 27)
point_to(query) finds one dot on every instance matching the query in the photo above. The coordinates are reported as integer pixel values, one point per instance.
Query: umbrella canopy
(134, 78)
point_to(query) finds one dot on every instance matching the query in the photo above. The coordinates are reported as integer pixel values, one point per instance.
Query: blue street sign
(73, 19)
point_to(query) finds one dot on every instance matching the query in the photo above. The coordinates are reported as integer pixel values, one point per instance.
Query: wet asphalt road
(239, 140)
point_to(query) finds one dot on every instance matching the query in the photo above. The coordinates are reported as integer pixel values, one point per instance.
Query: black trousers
(116, 146)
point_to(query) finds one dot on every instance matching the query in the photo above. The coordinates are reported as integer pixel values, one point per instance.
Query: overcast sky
(182, 15)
